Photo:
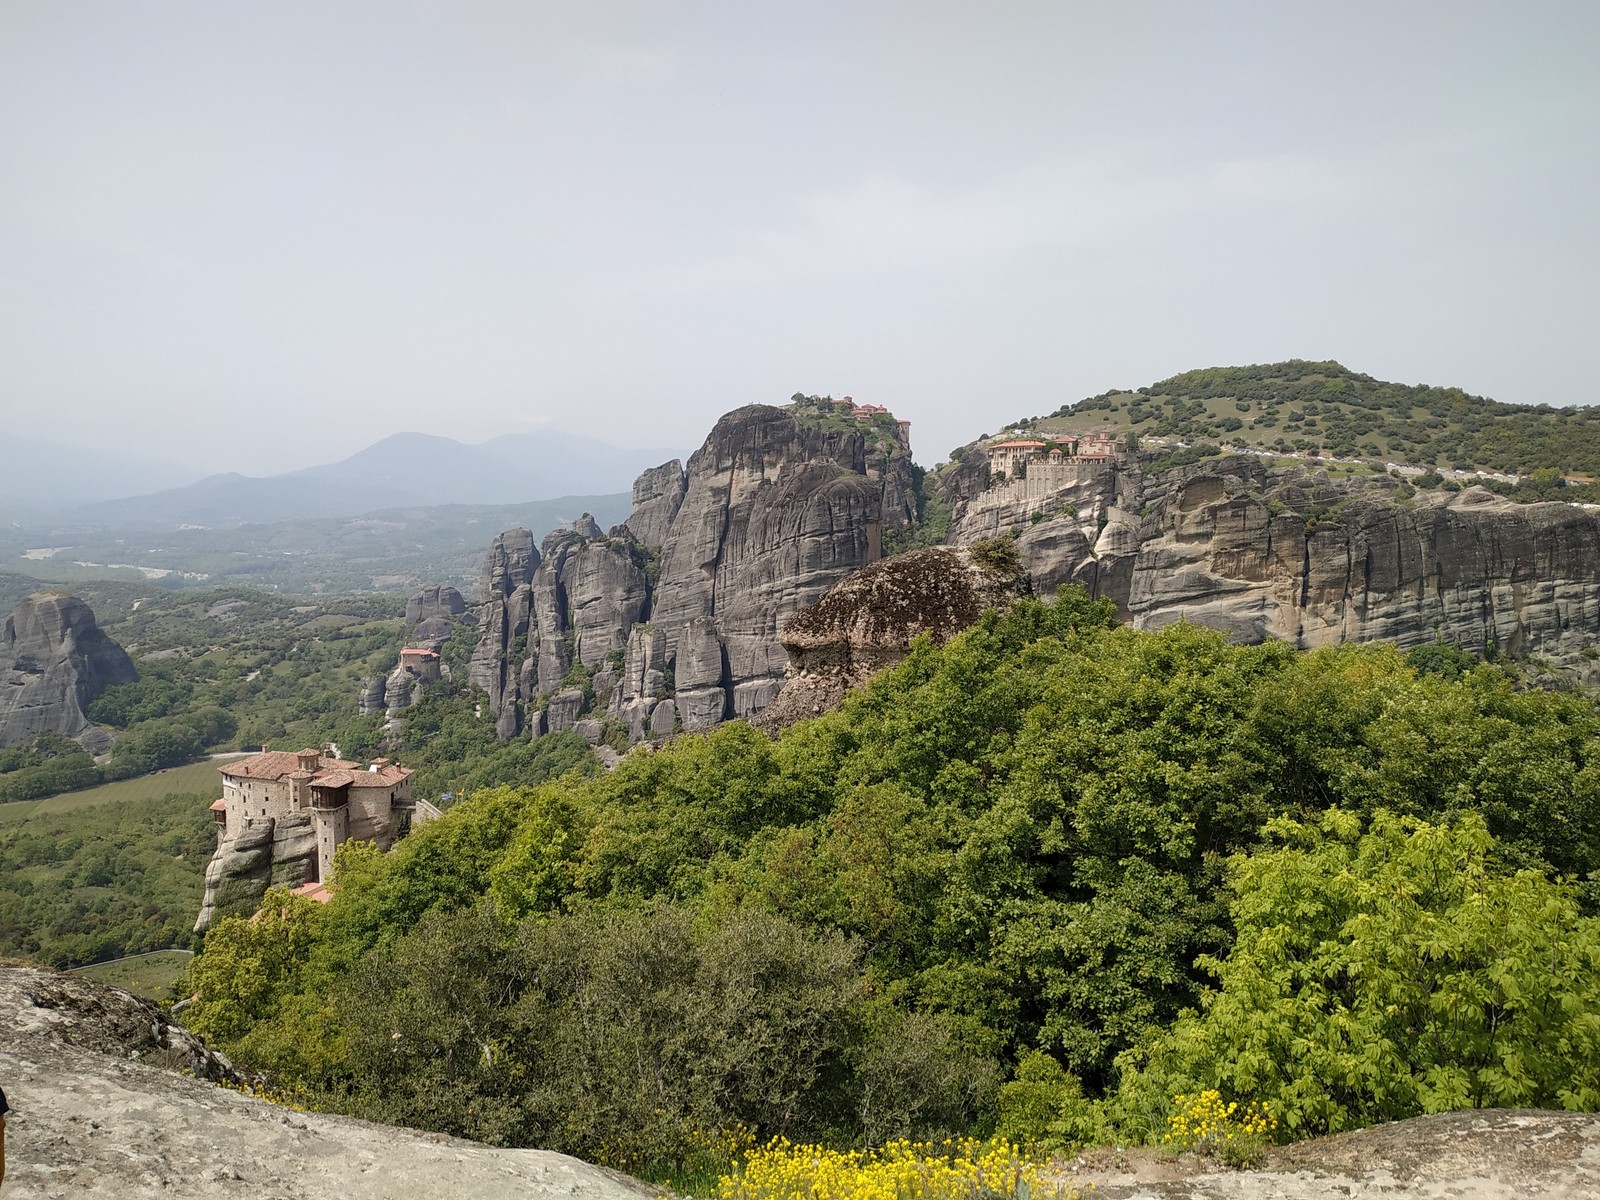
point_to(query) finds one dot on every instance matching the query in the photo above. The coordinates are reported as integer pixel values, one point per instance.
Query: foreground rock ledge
(1487, 1154)
(86, 1122)
(94, 1116)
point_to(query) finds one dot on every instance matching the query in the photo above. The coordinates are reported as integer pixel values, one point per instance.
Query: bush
(1385, 972)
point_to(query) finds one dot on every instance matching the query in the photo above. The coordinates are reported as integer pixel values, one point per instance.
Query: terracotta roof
(331, 772)
(219, 805)
(1014, 443)
(420, 650)
(313, 891)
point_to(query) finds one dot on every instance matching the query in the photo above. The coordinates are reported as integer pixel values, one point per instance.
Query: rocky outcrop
(262, 852)
(100, 1107)
(1297, 555)
(682, 604)
(868, 622)
(438, 601)
(54, 660)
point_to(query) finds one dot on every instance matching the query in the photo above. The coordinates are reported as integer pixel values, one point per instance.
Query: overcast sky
(257, 235)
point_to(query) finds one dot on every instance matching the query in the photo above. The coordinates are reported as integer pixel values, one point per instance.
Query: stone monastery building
(344, 799)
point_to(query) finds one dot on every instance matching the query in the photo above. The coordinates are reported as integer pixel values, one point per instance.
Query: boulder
(437, 601)
(868, 622)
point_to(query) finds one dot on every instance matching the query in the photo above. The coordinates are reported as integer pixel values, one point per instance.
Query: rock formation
(99, 1108)
(1297, 555)
(54, 660)
(436, 601)
(670, 620)
(253, 858)
(868, 622)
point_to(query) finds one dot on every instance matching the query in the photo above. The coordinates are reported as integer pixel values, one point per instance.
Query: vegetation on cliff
(1052, 851)
(1324, 406)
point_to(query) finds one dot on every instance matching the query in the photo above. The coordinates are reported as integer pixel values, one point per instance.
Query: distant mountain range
(404, 470)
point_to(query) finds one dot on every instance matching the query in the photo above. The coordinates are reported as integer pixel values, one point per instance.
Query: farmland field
(195, 777)
(149, 975)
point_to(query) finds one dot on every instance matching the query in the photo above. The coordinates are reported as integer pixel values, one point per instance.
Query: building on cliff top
(344, 799)
(1014, 455)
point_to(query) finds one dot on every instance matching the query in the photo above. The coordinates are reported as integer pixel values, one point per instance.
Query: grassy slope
(150, 975)
(1324, 406)
(196, 777)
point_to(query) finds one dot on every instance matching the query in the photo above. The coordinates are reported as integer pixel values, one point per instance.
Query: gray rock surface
(434, 602)
(100, 1110)
(868, 622)
(372, 698)
(685, 599)
(1483, 1154)
(54, 660)
(1296, 555)
(261, 853)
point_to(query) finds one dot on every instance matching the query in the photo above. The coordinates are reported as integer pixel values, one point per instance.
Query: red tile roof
(331, 772)
(219, 805)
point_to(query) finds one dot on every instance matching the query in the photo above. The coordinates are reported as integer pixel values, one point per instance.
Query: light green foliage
(249, 963)
(98, 883)
(1387, 971)
(1023, 834)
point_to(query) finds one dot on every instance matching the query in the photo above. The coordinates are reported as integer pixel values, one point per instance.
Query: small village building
(421, 662)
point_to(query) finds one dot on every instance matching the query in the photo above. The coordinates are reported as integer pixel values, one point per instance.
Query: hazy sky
(228, 229)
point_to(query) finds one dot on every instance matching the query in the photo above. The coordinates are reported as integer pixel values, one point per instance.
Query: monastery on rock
(343, 799)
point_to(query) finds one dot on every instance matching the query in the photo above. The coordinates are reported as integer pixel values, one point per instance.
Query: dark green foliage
(1441, 658)
(45, 766)
(1325, 406)
(1024, 834)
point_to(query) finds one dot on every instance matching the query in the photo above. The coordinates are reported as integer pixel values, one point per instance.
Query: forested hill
(1305, 406)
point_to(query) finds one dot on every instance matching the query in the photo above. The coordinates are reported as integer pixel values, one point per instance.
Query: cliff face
(867, 623)
(670, 621)
(54, 660)
(1313, 560)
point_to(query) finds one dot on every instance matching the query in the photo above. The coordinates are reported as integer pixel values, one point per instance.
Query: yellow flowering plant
(1205, 1123)
(957, 1169)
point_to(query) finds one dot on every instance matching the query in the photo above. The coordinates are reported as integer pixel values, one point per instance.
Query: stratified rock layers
(54, 660)
(671, 620)
(1293, 554)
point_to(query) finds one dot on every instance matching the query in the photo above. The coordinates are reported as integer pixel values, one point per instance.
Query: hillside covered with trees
(1058, 877)
(1323, 406)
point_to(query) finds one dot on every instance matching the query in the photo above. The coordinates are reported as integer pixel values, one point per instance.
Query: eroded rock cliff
(670, 620)
(1295, 554)
(868, 621)
(54, 660)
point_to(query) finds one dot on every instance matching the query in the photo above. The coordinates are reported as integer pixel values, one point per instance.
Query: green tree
(1384, 972)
